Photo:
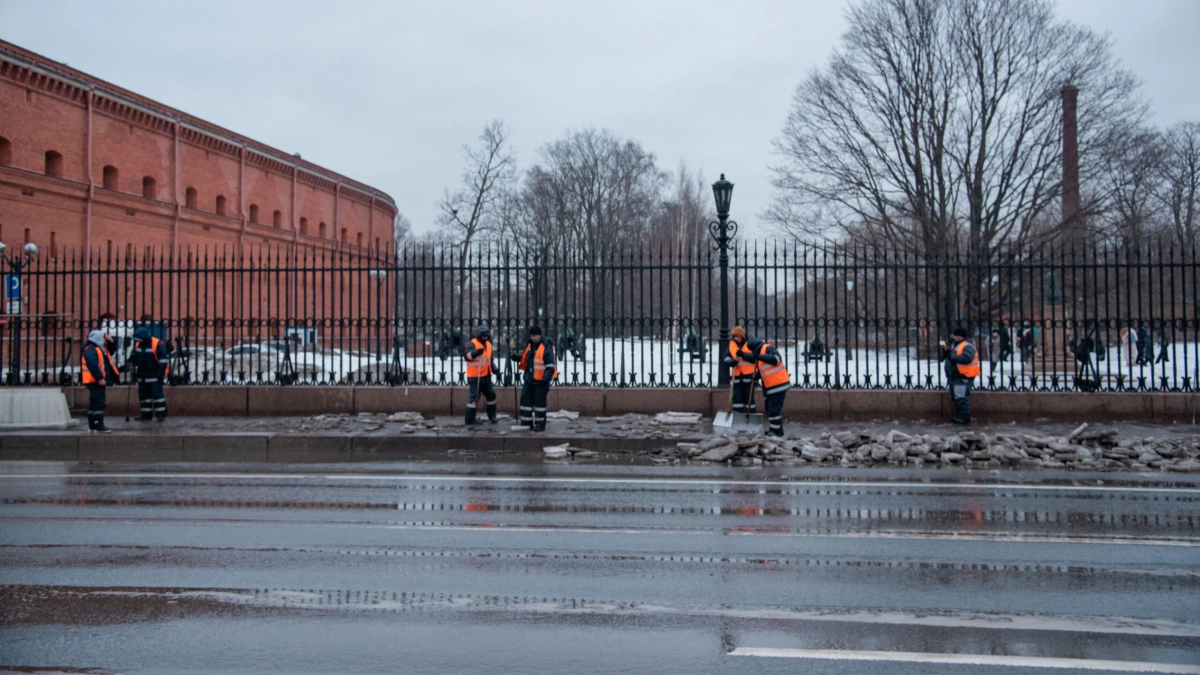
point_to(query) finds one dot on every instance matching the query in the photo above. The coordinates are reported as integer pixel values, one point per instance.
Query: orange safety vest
(106, 363)
(743, 367)
(480, 366)
(773, 376)
(971, 369)
(539, 362)
(154, 342)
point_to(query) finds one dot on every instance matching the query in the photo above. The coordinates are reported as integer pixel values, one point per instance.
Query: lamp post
(16, 264)
(379, 276)
(722, 230)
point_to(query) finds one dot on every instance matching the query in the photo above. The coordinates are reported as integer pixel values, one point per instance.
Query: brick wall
(44, 107)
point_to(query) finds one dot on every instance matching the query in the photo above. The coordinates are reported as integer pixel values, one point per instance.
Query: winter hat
(738, 332)
(141, 334)
(482, 331)
(535, 330)
(96, 337)
(960, 332)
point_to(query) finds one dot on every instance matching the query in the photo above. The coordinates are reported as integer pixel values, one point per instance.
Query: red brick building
(87, 164)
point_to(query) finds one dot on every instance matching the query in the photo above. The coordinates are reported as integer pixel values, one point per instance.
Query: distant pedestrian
(480, 368)
(150, 366)
(540, 367)
(995, 350)
(962, 367)
(1027, 343)
(1129, 345)
(97, 371)
(1145, 348)
(1164, 346)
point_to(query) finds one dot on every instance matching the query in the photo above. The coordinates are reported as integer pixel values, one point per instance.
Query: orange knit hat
(738, 332)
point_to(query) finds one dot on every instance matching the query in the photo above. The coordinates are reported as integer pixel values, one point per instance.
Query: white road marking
(967, 659)
(617, 481)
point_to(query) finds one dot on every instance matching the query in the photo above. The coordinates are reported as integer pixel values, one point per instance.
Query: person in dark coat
(1145, 348)
(480, 369)
(97, 371)
(537, 361)
(962, 367)
(149, 364)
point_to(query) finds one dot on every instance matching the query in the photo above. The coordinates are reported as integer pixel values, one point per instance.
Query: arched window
(54, 164)
(343, 235)
(321, 230)
(377, 243)
(277, 218)
(254, 213)
(190, 197)
(111, 178)
(220, 205)
(5, 152)
(358, 240)
(149, 188)
(304, 226)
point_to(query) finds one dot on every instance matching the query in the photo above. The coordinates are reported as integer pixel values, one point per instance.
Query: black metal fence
(1046, 318)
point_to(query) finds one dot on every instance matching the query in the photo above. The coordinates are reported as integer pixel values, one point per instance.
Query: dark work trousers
(96, 404)
(742, 402)
(775, 413)
(960, 393)
(481, 385)
(533, 404)
(152, 399)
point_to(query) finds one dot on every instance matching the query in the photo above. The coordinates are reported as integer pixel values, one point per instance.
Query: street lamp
(379, 276)
(722, 230)
(13, 283)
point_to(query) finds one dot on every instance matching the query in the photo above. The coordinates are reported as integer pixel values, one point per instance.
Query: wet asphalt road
(446, 568)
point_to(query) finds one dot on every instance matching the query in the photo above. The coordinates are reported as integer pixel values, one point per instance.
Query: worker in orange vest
(149, 365)
(759, 356)
(480, 367)
(98, 372)
(962, 367)
(540, 367)
(741, 363)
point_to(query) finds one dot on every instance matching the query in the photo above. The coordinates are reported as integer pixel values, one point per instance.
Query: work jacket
(539, 364)
(479, 358)
(149, 360)
(96, 364)
(774, 374)
(742, 367)
(962, 361)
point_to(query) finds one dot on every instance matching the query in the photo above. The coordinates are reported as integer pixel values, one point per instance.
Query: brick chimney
(1071, 220)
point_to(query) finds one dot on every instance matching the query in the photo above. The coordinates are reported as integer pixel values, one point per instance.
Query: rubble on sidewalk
(1083, 449)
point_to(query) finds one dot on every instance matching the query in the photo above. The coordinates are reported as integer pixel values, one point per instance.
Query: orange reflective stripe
(971, 369)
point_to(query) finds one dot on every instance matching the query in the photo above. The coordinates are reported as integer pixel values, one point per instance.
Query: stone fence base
(801, 404)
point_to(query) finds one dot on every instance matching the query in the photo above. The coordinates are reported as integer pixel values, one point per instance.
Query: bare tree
(490, 166)
(1180, 184)
(936, 127)
(1132, 162)
(401, 231)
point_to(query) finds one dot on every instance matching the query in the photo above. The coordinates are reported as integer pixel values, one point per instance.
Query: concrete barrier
(800, 404)
(33, 408)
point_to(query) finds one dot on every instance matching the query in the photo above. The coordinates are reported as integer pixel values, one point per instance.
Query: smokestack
(1072, 227)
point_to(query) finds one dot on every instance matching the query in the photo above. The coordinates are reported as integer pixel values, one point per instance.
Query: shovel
(748, 421)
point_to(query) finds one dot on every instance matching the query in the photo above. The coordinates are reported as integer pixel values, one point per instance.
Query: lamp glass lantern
(723, 194)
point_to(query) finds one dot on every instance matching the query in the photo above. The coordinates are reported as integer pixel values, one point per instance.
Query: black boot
(470, 416)
(491, 412)
(162, 416)
(100, 428)
(539, 421)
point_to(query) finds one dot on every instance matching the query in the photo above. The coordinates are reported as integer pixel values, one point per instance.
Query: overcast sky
(387, 92)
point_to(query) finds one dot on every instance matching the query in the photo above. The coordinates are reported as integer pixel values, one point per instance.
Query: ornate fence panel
(1047, 318)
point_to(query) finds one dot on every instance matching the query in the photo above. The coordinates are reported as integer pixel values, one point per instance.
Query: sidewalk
(625, 439)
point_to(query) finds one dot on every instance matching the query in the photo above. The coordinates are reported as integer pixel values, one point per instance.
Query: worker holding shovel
(479, 374)
(752, 357)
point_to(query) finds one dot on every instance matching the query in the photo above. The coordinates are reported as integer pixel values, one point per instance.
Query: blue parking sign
(12, 287)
